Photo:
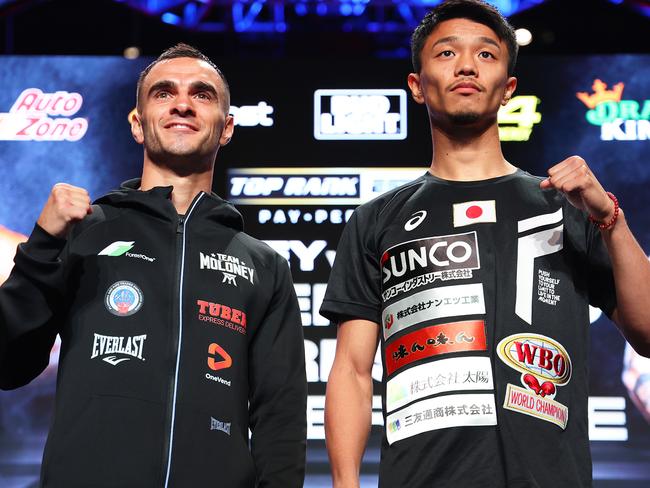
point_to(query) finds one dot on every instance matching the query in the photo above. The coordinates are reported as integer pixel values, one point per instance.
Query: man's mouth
(181, 126)
(466, 87)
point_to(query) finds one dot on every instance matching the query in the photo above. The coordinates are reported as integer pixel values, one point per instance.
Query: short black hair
(475, 10)
(182, 50)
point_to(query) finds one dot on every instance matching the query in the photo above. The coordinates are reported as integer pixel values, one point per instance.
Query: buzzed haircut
(474, 10)
(182, 50)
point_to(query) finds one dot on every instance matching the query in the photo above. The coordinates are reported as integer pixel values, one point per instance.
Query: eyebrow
(202, 86)
(196, 86)
(453, 39)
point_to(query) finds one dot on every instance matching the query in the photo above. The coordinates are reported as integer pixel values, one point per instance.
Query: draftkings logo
(619, 120)
(38, 116)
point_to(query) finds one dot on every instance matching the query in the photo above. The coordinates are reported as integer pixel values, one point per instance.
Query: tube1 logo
(38, 116)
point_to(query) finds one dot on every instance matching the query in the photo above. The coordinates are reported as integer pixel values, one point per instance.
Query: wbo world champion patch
(123, 298)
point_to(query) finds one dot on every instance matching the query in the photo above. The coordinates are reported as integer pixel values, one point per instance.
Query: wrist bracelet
(612, 221)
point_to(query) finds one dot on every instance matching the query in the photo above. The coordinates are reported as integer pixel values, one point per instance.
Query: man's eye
(162, 94)
(203, 96)
(486, 54)
(446, 54)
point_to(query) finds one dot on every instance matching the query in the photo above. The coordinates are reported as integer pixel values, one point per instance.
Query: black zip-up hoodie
(179, 334)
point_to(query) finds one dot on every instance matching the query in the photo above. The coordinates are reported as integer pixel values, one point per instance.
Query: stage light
(524, 37)
(132, 52)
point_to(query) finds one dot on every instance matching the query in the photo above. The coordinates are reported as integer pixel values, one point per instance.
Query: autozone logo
(429, 255)
(536, 354)
(29, 118)
(360, 114)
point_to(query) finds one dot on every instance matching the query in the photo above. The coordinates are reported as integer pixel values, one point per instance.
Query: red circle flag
(474, 212)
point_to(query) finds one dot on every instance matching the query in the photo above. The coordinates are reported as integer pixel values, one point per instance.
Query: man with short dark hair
(476, 280)
(179, 331)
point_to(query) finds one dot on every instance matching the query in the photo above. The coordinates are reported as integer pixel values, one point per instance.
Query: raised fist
(65, 206)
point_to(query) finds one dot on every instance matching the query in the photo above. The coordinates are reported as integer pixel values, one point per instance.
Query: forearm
(348, 410)
(631, 270)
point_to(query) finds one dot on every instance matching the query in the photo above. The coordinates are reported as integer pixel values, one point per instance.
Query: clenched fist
(65, 206)
(574, 178)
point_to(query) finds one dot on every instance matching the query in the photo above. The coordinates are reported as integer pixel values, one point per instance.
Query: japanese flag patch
(477, 212)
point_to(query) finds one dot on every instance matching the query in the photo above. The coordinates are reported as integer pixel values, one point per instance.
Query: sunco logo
(432, 254)
(537, 354)
(29, 117)
(619, 120)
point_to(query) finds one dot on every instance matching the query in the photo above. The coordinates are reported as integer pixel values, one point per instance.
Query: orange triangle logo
(223, 359)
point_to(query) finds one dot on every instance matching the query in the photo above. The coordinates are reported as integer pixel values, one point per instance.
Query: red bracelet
(610, 224)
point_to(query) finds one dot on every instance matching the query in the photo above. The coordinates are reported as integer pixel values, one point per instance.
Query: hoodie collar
(157, 201)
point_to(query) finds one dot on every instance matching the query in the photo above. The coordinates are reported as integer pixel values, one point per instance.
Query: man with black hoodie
(179, 331)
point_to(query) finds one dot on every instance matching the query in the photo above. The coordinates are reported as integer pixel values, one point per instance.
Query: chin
(464, 118)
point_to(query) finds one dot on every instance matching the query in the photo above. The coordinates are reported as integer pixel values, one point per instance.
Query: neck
(186, 186)
(469, 155)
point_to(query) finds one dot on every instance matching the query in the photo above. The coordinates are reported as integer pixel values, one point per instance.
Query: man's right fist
(65, 206)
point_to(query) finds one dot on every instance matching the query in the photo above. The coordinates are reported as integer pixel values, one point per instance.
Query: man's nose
(183, 104)
(466, 65)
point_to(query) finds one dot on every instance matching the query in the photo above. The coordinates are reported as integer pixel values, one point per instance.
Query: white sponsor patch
(444, 375)
(476, 212)
(527, 402)
(443, 412)
(443, 301)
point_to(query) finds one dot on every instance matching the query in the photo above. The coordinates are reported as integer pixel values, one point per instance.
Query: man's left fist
(574, 178)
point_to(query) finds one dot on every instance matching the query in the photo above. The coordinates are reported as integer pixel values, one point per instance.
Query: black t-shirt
(482, 291)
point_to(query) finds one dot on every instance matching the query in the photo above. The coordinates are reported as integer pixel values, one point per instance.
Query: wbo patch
(123, 298)
(544, 365)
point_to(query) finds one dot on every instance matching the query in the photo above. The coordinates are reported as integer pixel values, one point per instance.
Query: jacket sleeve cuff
(42, 246)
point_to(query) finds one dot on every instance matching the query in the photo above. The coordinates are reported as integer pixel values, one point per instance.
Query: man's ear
(228, 129)
(511, 85)
(136, 126)
(413, 81)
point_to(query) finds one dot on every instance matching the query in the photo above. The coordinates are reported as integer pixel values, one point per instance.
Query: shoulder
(260, 251)
(100, 213)
(390, 199)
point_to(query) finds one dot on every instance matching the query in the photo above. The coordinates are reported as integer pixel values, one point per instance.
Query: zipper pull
(181, 221)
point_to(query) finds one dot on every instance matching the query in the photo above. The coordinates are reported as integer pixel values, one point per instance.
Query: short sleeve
(601, 287)
(353, 290)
